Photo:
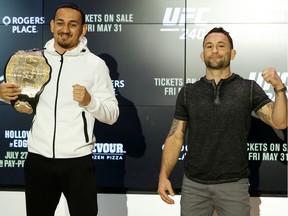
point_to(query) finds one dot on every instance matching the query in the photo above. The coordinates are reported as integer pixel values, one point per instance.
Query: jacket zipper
(85, 127)
(55, 104)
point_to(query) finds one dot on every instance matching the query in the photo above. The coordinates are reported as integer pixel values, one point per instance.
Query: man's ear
(233, 54)
(202, 56)
(52, 26)
(84, 30)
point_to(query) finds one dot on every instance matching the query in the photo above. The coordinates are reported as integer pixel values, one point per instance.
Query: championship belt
(31, 71)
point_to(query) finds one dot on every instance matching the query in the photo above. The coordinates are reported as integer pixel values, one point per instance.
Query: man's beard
(64, 43)
(216, 65)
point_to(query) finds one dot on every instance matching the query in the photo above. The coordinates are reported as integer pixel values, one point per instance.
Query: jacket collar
(79, 50)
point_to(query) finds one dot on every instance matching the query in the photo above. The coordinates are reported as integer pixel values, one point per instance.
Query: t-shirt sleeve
(181, 112)
(259, 97)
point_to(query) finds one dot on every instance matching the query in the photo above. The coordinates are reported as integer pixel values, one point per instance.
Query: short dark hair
(72, 6)
(220, 30)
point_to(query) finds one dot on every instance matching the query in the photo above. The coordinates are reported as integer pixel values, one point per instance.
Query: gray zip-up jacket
(61, 127)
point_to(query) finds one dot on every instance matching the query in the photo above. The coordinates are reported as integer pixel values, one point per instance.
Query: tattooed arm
(170, 156)
(275, 113)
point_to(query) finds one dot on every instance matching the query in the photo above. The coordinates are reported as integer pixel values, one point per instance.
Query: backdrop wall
(152, 48)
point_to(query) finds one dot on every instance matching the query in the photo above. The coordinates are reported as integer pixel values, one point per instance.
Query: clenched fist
(81, 95)
(270, 76)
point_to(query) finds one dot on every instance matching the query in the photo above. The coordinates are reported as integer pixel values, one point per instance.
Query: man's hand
(165, 190)
(81, 95)
(270, 76)
(9, 91)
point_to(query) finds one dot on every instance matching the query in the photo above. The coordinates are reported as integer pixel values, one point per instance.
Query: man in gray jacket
(61, 139)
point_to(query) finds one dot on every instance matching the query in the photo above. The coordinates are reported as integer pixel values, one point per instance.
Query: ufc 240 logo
(178, 16)
(177, 19)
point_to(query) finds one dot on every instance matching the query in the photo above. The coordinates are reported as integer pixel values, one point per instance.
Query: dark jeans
(46, 179)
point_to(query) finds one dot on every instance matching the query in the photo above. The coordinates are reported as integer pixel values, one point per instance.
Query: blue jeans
(228, 199)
